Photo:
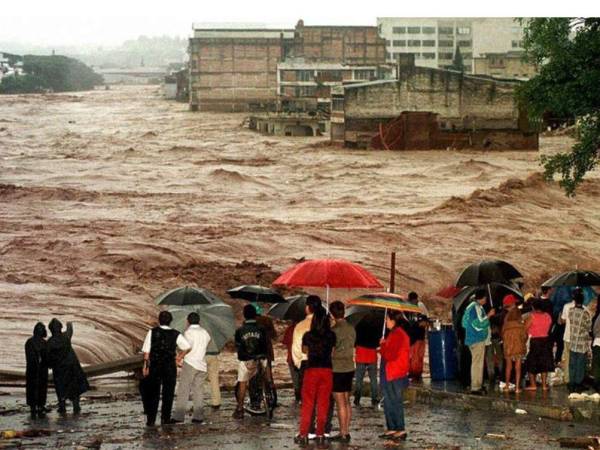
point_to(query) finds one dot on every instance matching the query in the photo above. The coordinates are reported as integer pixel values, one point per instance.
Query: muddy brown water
(110, 197)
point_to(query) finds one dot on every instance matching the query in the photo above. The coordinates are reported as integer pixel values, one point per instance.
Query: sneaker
(312, 436)
(238, 414)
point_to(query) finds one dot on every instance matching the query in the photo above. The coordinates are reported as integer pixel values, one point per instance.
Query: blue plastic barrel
(443, 360)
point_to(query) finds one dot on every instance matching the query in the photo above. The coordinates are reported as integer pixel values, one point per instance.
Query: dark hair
(545, 289)
(413, 295)
(165, 318)
(320, 321)
(396, 316)
(578, 296)
(480, 294)
(337, 309)
(193, 318)
(313, 302)
(249, 312)
(538, 304)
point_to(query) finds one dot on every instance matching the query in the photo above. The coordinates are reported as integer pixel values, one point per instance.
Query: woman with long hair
(395, 352)
(317, 384)
(540, 358)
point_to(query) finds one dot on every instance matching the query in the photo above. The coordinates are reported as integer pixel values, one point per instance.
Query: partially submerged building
(428, 108)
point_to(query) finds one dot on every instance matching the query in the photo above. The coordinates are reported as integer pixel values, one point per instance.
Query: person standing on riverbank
(68, 376)
(160, 368)
(36, 372)
(579, 343)
(193, 371)
(476, 323)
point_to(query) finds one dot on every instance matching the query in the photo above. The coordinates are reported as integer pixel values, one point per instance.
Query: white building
(434, 41)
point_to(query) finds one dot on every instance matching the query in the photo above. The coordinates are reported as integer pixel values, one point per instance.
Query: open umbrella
(385, 301)
(496, 291)
(216, 319)
(293, 309)
(367, 322)
(254, 293)
(487, 271)
(448, 291)
(577, 278)
(329, 274)
(561, 295)
(187, 295)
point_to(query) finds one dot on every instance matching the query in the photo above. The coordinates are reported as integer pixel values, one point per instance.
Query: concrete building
(504, 65)
(257, 69)
(434, 41)
(429, 108)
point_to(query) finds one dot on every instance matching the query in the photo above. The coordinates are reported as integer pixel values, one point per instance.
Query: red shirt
(287, 340)
(395, 351)
(365, 355)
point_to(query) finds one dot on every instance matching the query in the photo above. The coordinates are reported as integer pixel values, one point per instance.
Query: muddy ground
(109, 198)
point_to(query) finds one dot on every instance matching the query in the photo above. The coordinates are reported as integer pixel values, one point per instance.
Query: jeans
(577, 363)
(477, 357)
(359, 376)
(317, 385)
(191, 380)
(393, 403)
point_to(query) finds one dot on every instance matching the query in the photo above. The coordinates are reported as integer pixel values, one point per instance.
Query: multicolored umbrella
(385, 300)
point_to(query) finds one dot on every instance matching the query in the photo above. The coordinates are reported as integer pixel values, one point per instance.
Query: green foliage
(53, 73)
(457, 62)
(567, 51)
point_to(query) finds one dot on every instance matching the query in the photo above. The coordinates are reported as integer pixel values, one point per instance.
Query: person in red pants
(317, 384)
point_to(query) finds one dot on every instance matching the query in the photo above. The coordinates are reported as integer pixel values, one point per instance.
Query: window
(305, 91)
(398, 30)
(428, 55)
(464, 43)
(517, 44)
(446, 44)
(400, 43)
(388, 42)
(337, 104)
(414, 43)
(446, 30)
(414, 30)
(428, 30)
(364, 74)
(428, 43)
(304, 75)
(397, 56)
(388, 55)
(463, 30)
(445, 55)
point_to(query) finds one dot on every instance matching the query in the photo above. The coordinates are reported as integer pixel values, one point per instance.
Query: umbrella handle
(384, 319)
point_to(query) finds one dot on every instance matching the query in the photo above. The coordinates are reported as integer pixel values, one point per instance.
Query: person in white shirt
(564, 320)
(160, 368)
(193, 372)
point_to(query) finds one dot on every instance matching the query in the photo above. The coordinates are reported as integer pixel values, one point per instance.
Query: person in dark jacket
(252, 349)
(68, 376)
(160, 369)
(36, 373)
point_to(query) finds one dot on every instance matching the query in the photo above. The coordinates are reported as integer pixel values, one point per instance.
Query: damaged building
(430, 108)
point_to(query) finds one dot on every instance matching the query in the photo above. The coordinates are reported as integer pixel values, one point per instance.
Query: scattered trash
(580, 396)
(282, 426)
(14, 434)
(495, 436)
(520, 411)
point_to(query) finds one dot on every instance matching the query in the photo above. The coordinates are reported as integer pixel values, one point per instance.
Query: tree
(567, 52)
(458, 63)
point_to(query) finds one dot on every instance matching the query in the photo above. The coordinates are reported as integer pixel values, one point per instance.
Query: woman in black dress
(36, 373)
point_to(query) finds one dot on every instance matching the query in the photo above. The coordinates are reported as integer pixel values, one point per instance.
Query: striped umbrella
(385, 300)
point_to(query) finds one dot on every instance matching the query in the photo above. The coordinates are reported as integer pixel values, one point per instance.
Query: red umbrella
(449, 292)
(328, 273)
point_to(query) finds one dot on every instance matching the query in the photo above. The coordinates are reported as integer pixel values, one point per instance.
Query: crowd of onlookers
(328, 359)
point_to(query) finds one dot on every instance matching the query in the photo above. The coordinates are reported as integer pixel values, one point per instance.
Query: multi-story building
(504, 65)
(434, 41)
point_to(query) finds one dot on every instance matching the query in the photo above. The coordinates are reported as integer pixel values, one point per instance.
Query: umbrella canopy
(216, 319)
(384, 300)
(183, 296)
(329, 273)
(448, 291)
(254, 293)
(368, 323)
(576, 278)
(562, 295)
(292, 309)
(487, 271)
(497, 290)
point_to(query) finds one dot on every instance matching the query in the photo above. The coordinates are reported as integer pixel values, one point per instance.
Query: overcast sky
(109, 22)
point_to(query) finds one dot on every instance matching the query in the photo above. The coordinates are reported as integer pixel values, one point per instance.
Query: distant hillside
(50, 73)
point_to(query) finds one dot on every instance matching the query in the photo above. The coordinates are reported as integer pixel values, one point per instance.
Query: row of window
(359, 74)
(430, 30)
(429, 55)
(425, 43)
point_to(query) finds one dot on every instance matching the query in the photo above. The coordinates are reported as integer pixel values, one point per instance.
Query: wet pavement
(114, 421)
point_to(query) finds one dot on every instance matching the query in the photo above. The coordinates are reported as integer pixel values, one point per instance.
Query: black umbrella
(487, 271)
(292, 309)
(183, 296)
(368, 323)
(255, 293)
(496, 292)
(579, 278)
